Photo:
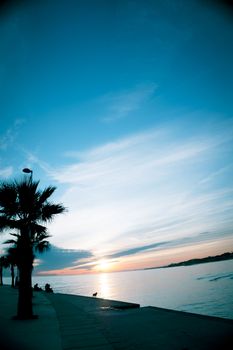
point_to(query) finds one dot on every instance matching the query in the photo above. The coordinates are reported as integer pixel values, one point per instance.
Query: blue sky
(125, 106)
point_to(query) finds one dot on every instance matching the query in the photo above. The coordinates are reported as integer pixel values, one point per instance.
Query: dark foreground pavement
(74, 322)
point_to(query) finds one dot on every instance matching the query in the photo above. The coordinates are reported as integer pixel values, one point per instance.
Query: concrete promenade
(68, 322)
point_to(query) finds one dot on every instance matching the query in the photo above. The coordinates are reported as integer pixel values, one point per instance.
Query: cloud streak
(184, 241)
(7, 139)
(145, 190)
(58, 258)
(120, 105)
(10, 135)
(6, 172)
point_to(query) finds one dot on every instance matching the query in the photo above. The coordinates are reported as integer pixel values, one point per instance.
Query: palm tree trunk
(1, 282)
(25, 265)
(12, 276)
(25, 293)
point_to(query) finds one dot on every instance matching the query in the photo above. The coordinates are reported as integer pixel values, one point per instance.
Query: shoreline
(78, 322)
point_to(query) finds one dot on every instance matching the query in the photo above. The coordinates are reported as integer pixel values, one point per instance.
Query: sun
(103, 265)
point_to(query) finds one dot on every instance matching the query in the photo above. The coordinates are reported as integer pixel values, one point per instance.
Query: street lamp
(28, 171)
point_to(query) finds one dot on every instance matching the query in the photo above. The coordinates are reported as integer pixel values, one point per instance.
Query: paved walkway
(79, 329)
(42, 333)
(68, 322)
(136, 328)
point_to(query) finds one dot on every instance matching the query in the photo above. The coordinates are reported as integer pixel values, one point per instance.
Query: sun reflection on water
(104, 286)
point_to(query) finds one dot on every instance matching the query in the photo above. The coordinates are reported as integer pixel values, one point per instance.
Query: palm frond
(10, 241)
(6, 223)
(40, 237)
(8, 204)
(27, 196)
(46, 193)
(42, 246)
(37, 228)
(8, 198)
(49, 210)
(13, 255)
(15, 235)
(25, 208)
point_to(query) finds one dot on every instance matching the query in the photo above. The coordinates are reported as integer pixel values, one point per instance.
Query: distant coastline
(224, 256)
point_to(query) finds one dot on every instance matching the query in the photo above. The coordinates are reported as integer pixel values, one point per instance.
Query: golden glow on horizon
(149, 259)
(103, 265)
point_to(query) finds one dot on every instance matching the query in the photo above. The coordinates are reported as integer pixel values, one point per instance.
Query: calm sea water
(205, 289)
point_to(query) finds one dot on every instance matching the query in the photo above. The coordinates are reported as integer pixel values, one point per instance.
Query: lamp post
(28, 171)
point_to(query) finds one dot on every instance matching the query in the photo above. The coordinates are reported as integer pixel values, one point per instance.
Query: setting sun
(103, 265)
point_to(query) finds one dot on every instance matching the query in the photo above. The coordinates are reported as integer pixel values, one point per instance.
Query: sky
(126, 107)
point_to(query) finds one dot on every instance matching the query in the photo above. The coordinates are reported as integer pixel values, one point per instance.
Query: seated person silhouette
(48, 289)
(36, 288)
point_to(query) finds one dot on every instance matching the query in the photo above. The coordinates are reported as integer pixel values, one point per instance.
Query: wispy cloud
(120, 105)
(10, 134)
(7, 139)
(148, 185)
(215, 174)
(58, 258)
(6, 172)
(31, 159)
(179, 242)
(136, 250)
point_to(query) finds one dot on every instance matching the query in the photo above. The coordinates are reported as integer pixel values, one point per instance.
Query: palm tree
(40, 244)
(12, 261)
(24, 208)
(3, 264)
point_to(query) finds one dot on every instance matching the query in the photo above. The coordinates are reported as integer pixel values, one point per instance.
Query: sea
(204, 289)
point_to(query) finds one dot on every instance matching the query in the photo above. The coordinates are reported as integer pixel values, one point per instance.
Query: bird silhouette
(94, 294)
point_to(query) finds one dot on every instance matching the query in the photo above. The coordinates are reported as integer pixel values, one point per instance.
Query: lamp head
(27, 171)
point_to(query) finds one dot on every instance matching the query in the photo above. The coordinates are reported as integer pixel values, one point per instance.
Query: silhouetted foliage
(224, 256)
(23, 208)
(221, 257)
